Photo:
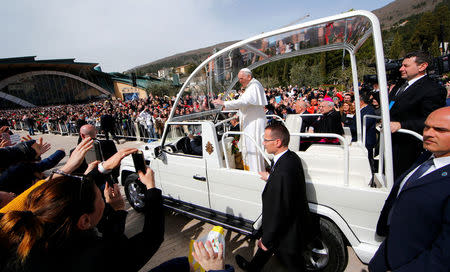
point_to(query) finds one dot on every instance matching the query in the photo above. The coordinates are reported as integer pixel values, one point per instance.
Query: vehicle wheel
(328, 251)
(135, 192)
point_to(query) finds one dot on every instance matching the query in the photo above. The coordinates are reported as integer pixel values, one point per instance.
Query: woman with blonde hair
(347, 112)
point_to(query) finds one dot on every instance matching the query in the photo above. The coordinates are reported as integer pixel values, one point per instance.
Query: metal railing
(274, 116)
(381, 154)
(365, 124)
(132, 130)
(412, 133)
(260, 150)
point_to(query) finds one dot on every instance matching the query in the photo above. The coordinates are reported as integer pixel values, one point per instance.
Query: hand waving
(114, 161)
(77, 156)
(40, 147)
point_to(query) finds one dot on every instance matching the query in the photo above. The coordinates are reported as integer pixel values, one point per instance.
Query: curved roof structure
(345, 31)
(21, 76)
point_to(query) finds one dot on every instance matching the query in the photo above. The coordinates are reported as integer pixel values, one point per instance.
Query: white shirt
(276, 157)
(412, 81)
(437, 163)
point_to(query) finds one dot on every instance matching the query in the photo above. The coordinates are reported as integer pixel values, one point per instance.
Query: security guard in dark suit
(416, 216)
(410, 104)
(286, 220)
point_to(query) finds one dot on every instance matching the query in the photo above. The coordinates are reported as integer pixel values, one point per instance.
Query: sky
(120, 35)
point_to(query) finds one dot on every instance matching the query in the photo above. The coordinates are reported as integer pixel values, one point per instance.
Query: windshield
(217, 76)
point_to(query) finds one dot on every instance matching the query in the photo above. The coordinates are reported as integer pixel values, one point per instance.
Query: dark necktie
(271, 166)
(419, 172)
(415, 176)
(402, 89)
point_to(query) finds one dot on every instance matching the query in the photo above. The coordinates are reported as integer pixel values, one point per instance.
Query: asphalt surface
(181, 229)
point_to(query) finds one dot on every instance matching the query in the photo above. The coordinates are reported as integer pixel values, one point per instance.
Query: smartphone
(139, 161)
(95, 153)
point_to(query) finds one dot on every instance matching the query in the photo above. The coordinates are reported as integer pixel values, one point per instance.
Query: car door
(236, 192)
(183, 177)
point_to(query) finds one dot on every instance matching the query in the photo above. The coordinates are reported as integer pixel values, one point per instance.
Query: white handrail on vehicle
(276, 117)
(412, 133)
(245, 134)
(364, 125)
(381, 154)
(224, 121)
(342, 141)
(311, 114)
(230, 111)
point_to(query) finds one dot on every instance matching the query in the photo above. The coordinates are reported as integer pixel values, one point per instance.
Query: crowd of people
(152, 112)
(74, 219)
(74, 222)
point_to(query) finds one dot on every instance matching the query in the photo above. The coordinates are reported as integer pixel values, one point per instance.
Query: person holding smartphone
(55, 230)
(106, 148)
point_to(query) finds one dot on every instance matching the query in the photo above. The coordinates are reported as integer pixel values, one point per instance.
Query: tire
(327, 252)
(135, 192)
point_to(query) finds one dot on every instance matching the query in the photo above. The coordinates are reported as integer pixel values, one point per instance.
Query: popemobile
(344, 195)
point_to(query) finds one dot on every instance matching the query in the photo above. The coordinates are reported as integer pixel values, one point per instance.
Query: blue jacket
(17, 153)
(418, 237)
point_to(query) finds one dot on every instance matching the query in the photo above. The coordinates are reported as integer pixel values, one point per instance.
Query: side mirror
(158, 152)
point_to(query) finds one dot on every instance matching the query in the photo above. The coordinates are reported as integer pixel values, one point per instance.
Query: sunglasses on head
(81, 178)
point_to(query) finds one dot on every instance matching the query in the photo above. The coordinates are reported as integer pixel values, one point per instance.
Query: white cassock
(251, 109)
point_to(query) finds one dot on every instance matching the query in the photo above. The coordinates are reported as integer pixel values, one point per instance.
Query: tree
(269, 82)
(298, 74)
(425, 31)
(302, 74)
(161, 89)
(323, 65)
(434, 50)
(397, 49)
(190, 68)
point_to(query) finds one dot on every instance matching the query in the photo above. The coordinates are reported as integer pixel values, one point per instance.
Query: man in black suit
(108, 125)
(416, 215)
(410, 104)
(330, 121)
(286, 221)
(365, 104)
(108, 149)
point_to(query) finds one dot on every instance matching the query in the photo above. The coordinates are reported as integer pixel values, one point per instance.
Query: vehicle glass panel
(218, 76)
(184, 139)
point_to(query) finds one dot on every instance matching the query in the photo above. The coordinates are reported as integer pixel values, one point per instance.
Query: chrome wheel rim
(317, 256)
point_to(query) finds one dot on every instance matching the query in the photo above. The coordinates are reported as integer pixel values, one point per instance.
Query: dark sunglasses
(81, 178)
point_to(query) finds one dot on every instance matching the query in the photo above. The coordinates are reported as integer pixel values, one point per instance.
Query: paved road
(180, 229)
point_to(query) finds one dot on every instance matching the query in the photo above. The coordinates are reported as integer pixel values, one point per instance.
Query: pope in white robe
(253, 118)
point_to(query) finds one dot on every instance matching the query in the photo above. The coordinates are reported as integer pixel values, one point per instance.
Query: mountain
(193, 56)
(388, 16)
(400, 9)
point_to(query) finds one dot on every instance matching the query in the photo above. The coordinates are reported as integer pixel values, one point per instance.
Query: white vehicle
(338, 177)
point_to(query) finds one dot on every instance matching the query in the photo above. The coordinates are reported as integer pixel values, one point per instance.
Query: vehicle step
(230, 222)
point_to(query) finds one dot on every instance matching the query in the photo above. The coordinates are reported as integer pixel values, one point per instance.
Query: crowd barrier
(129, 130)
